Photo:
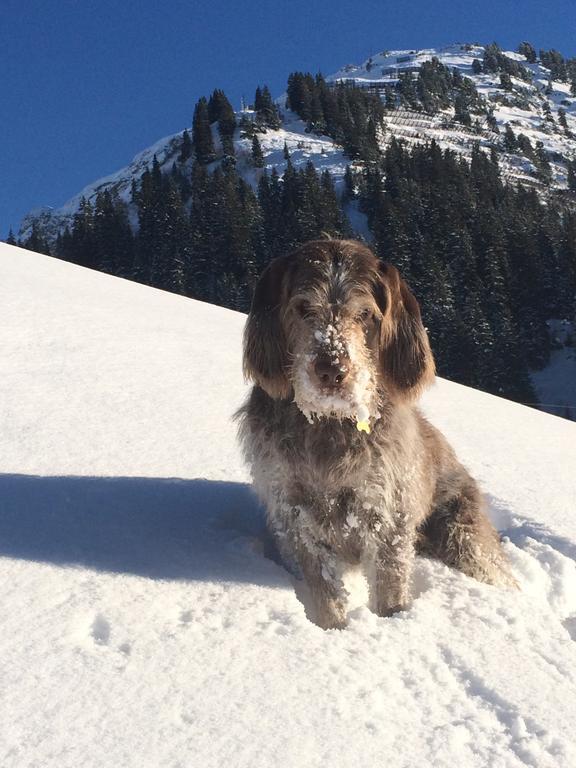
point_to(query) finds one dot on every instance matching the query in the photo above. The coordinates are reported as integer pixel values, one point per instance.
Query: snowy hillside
(529, 109)
(143, 623)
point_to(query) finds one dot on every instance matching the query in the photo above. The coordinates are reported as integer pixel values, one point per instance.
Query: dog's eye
(306, 310)
(365, 316)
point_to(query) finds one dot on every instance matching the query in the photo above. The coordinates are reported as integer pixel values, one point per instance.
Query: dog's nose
(329, 373)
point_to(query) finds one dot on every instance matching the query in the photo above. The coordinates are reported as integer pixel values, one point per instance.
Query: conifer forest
(490, 261)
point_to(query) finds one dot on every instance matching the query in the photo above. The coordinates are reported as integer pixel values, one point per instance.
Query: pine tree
(257, 156)
(543, 163)
(82, 243)
(113, 240)
(217, 105)
(491, 58)
(199, 267)
(555, 62)
(566, 300)
(407, 90)
(492, 122)
(36, 241)
(299, 94)
(186, 148)
(506, 81)
(461, 111)
(571, 177)
(332, 217)
(266, 111)
(349, 187)
(524, 145)
(173, 257)
(220, 110)
(202, 134)
(270, 201)
(149, 199)
(528, 50)
(389, 98)
(316, 122)
(247, 127)
(510, 142)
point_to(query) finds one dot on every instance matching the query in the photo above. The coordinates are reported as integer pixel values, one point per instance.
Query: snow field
(146, 622)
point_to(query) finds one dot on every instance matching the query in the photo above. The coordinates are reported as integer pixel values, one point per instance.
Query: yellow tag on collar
(363, 426)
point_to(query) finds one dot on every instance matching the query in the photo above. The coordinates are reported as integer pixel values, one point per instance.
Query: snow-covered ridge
(52, 221)
(531, 118)
(145, 626)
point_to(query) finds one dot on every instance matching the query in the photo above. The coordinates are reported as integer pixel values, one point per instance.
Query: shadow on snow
(164, 528)
(152, 527)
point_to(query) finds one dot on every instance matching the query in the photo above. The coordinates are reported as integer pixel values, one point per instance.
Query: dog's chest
(327, 454)
(346, 520)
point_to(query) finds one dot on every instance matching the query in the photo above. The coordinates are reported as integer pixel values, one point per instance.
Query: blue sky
(87, 84)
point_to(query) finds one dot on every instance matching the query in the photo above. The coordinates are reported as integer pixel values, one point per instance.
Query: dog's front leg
(322, 575)
(304, 549)
(391, 573)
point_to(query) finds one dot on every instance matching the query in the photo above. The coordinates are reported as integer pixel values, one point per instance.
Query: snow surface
(144, 624)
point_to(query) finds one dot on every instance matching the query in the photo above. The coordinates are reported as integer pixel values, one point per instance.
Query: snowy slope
(143, 624)
(524, 112)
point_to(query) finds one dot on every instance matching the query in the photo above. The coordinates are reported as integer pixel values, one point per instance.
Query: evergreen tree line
(537, 154)
(205, 234)
(352, 116)
(490, 262)
(495, 61)
(217, 111)
(436, 87)
(561, 69)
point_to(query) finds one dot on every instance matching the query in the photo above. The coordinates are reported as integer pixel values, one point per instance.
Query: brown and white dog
(349, 471)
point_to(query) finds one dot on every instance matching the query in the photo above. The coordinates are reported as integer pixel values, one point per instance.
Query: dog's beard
(356, 399)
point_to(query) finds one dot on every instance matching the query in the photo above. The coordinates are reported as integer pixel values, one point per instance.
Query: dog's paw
(385, 610)
(331, 615)
(331, 622)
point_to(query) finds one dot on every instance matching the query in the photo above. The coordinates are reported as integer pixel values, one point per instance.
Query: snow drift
(144, 624)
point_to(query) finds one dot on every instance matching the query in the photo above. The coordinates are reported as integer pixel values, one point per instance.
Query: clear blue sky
(86, 84)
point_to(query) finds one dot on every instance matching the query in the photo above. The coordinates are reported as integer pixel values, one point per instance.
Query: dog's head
(336, 329)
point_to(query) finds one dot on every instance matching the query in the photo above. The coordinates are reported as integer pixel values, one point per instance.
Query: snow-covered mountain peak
(531, 108)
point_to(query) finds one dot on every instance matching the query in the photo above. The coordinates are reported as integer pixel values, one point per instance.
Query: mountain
(531, 108)
(457, 164)
(530, 102)
(144, 624)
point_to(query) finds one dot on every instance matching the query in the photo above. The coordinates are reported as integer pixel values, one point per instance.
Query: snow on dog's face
(331, 322)
(336, 330)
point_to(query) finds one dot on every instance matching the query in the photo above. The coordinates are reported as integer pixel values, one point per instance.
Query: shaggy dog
(349, 471)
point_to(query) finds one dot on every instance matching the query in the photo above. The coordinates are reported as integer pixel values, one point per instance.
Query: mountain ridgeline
(477, 211)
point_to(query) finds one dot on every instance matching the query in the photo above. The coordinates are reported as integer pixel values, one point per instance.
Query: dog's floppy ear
(265, 357)
(406, 359)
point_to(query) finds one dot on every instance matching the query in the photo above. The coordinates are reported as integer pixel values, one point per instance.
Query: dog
(348, 469)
